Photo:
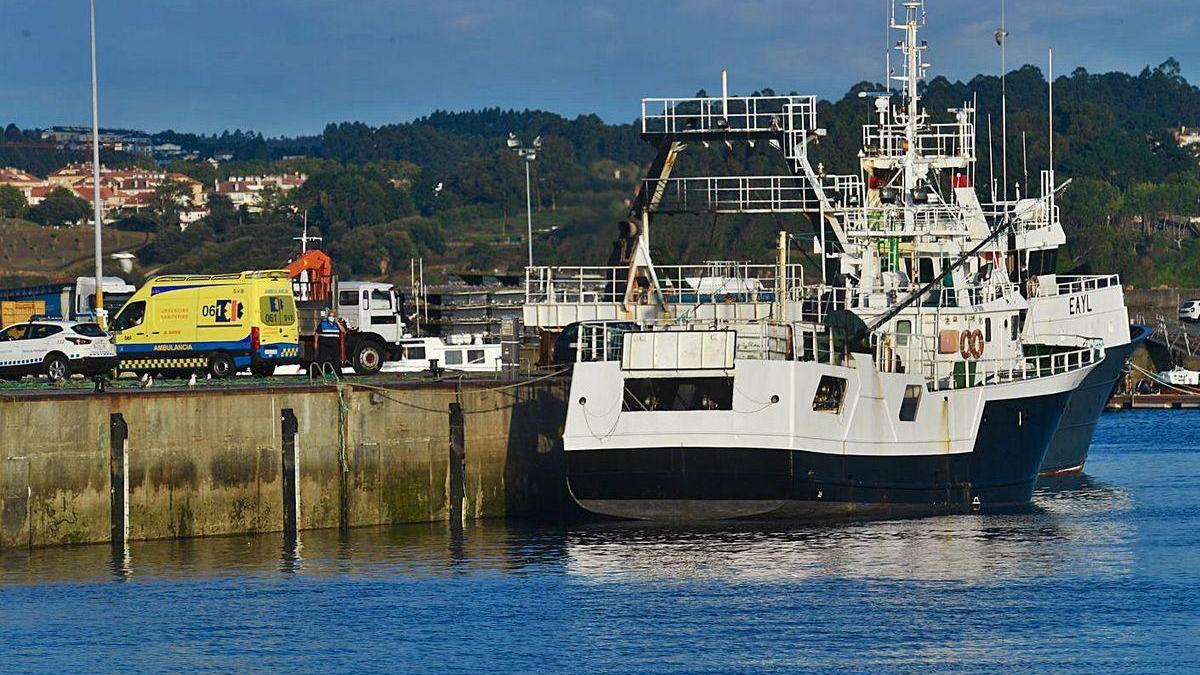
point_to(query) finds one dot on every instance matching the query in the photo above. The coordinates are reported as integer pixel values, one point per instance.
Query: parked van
(221, 324)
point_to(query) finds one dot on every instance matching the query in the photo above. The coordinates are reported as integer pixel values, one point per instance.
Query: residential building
(247, 190)
(23, 181)
(1187, 136)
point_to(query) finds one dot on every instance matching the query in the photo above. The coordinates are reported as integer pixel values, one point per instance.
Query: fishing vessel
(1075, 304)
(902, 382)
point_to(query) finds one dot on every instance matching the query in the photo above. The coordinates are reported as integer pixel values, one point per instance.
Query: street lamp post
(98, 213)
(529, 154)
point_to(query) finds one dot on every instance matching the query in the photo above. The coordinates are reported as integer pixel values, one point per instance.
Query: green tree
(1089, 208)
(273, 202)
(222, 216)
(167, 202)
(12, 202)
(374, 250)
(350, 197)
(202, 171)
(60, 207)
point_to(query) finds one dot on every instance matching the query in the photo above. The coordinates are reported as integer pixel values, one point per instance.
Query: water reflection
(121, 562)
(291, 559)
(1075, 526)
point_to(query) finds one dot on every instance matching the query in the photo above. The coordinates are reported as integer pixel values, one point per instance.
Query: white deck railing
(734, 114)
(1073, 285)
(603, 341)
(715, 282)
(909, 353)
(755, 194)
(950, 140)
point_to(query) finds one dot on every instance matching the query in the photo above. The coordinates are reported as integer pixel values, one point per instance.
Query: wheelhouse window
(475, 356)
(831, 393)
(925, 270)
(1043, 262)
(454, 357)
(911, 403)
(903, 332)
(415, 353)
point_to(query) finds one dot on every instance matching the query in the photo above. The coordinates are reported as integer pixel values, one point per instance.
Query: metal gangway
(1178, 339)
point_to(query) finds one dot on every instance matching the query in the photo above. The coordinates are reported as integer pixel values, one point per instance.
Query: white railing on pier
(741, 114)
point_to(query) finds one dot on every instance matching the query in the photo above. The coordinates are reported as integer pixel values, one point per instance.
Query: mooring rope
(386, 393)
(1158, 380)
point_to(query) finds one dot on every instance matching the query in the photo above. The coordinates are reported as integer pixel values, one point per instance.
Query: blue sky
(290, 66)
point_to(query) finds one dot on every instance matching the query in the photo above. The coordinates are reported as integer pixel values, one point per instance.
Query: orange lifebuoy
(977, 343)
(964, 344)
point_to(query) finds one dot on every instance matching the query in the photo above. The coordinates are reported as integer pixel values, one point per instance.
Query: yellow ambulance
(220, 323)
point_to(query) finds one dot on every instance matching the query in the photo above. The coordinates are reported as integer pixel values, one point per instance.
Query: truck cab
(370, 308)
(374, 327)
(116, 293)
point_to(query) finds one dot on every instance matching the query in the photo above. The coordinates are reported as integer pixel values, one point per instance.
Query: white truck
(375, 338)
(372, 314)
(62, 300)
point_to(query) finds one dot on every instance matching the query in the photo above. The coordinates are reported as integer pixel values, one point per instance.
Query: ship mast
(914, 70)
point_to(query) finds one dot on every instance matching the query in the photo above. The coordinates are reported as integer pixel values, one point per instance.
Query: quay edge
(204, 462)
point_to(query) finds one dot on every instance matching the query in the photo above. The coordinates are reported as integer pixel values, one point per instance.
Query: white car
(1190, 311)
(56, 349)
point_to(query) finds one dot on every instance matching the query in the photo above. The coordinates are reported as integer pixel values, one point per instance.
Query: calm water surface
(1102, 575)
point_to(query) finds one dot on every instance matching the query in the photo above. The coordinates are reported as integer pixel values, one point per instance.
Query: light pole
(528, 154)
(98, 298)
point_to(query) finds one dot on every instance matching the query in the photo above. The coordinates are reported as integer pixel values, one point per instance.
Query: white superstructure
(902, 380)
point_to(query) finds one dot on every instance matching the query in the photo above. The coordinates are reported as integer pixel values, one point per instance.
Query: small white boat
(1180, 376)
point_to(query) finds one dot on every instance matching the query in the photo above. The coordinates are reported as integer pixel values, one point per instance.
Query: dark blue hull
(1069, 447)
(716, 483)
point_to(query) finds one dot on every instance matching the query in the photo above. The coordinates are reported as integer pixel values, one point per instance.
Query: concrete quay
(79, 467)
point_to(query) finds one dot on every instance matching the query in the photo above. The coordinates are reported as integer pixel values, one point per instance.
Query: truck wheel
(368, 358)
(262, 369)
(56, 368)
(220, 365)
